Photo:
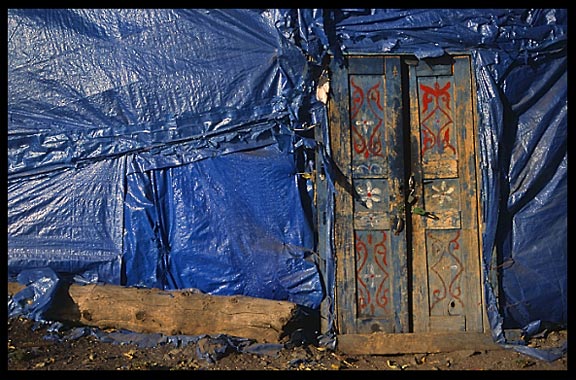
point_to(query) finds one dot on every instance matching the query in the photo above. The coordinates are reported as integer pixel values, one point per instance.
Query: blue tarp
(156, 148)
(165, 147)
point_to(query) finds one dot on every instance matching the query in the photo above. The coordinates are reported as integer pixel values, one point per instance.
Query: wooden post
(171, 312)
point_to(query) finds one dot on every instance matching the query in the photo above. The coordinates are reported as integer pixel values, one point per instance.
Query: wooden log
(172, 312)
(14, 287)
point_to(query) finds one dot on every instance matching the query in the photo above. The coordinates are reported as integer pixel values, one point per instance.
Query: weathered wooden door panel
(391, 277)
(446, 276)
(367, 144)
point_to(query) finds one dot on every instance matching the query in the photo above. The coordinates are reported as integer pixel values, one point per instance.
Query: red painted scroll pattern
(436, 118)
(366, 125)
(448, 269)
(371, 274)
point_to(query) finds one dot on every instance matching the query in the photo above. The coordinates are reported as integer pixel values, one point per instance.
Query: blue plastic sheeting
(208, 348)
(425, 33)
(92, 83)
(225, 225)
(532, 229)
(35, 298)
(70, 219)
(119, 126)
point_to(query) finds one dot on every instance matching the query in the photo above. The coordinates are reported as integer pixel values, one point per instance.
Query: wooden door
(406, 208)
(446, 260)
(367, 145)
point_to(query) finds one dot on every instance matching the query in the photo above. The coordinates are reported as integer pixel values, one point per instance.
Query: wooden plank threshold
(408, 343)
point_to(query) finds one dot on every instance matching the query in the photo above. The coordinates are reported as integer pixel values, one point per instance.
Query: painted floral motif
(442, 193)
(371, 276)
(369, 194)
(370, 219)
(364, 123)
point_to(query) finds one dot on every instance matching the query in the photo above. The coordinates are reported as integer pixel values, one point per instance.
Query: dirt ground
(34, 346)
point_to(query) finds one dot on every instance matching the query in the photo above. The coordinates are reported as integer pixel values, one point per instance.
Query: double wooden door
(406, 230)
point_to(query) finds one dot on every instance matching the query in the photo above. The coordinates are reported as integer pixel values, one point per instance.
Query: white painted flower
(371, 276)
(369, 194)
(442, 193)
(364, 123)
(370, 219)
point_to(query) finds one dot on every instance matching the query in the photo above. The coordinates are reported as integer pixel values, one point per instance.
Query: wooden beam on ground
(392, 344)
(14, 287)
(171, 312)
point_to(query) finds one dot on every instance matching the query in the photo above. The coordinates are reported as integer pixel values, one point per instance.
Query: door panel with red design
(406, 229)
(446, 277)
(367, 145)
